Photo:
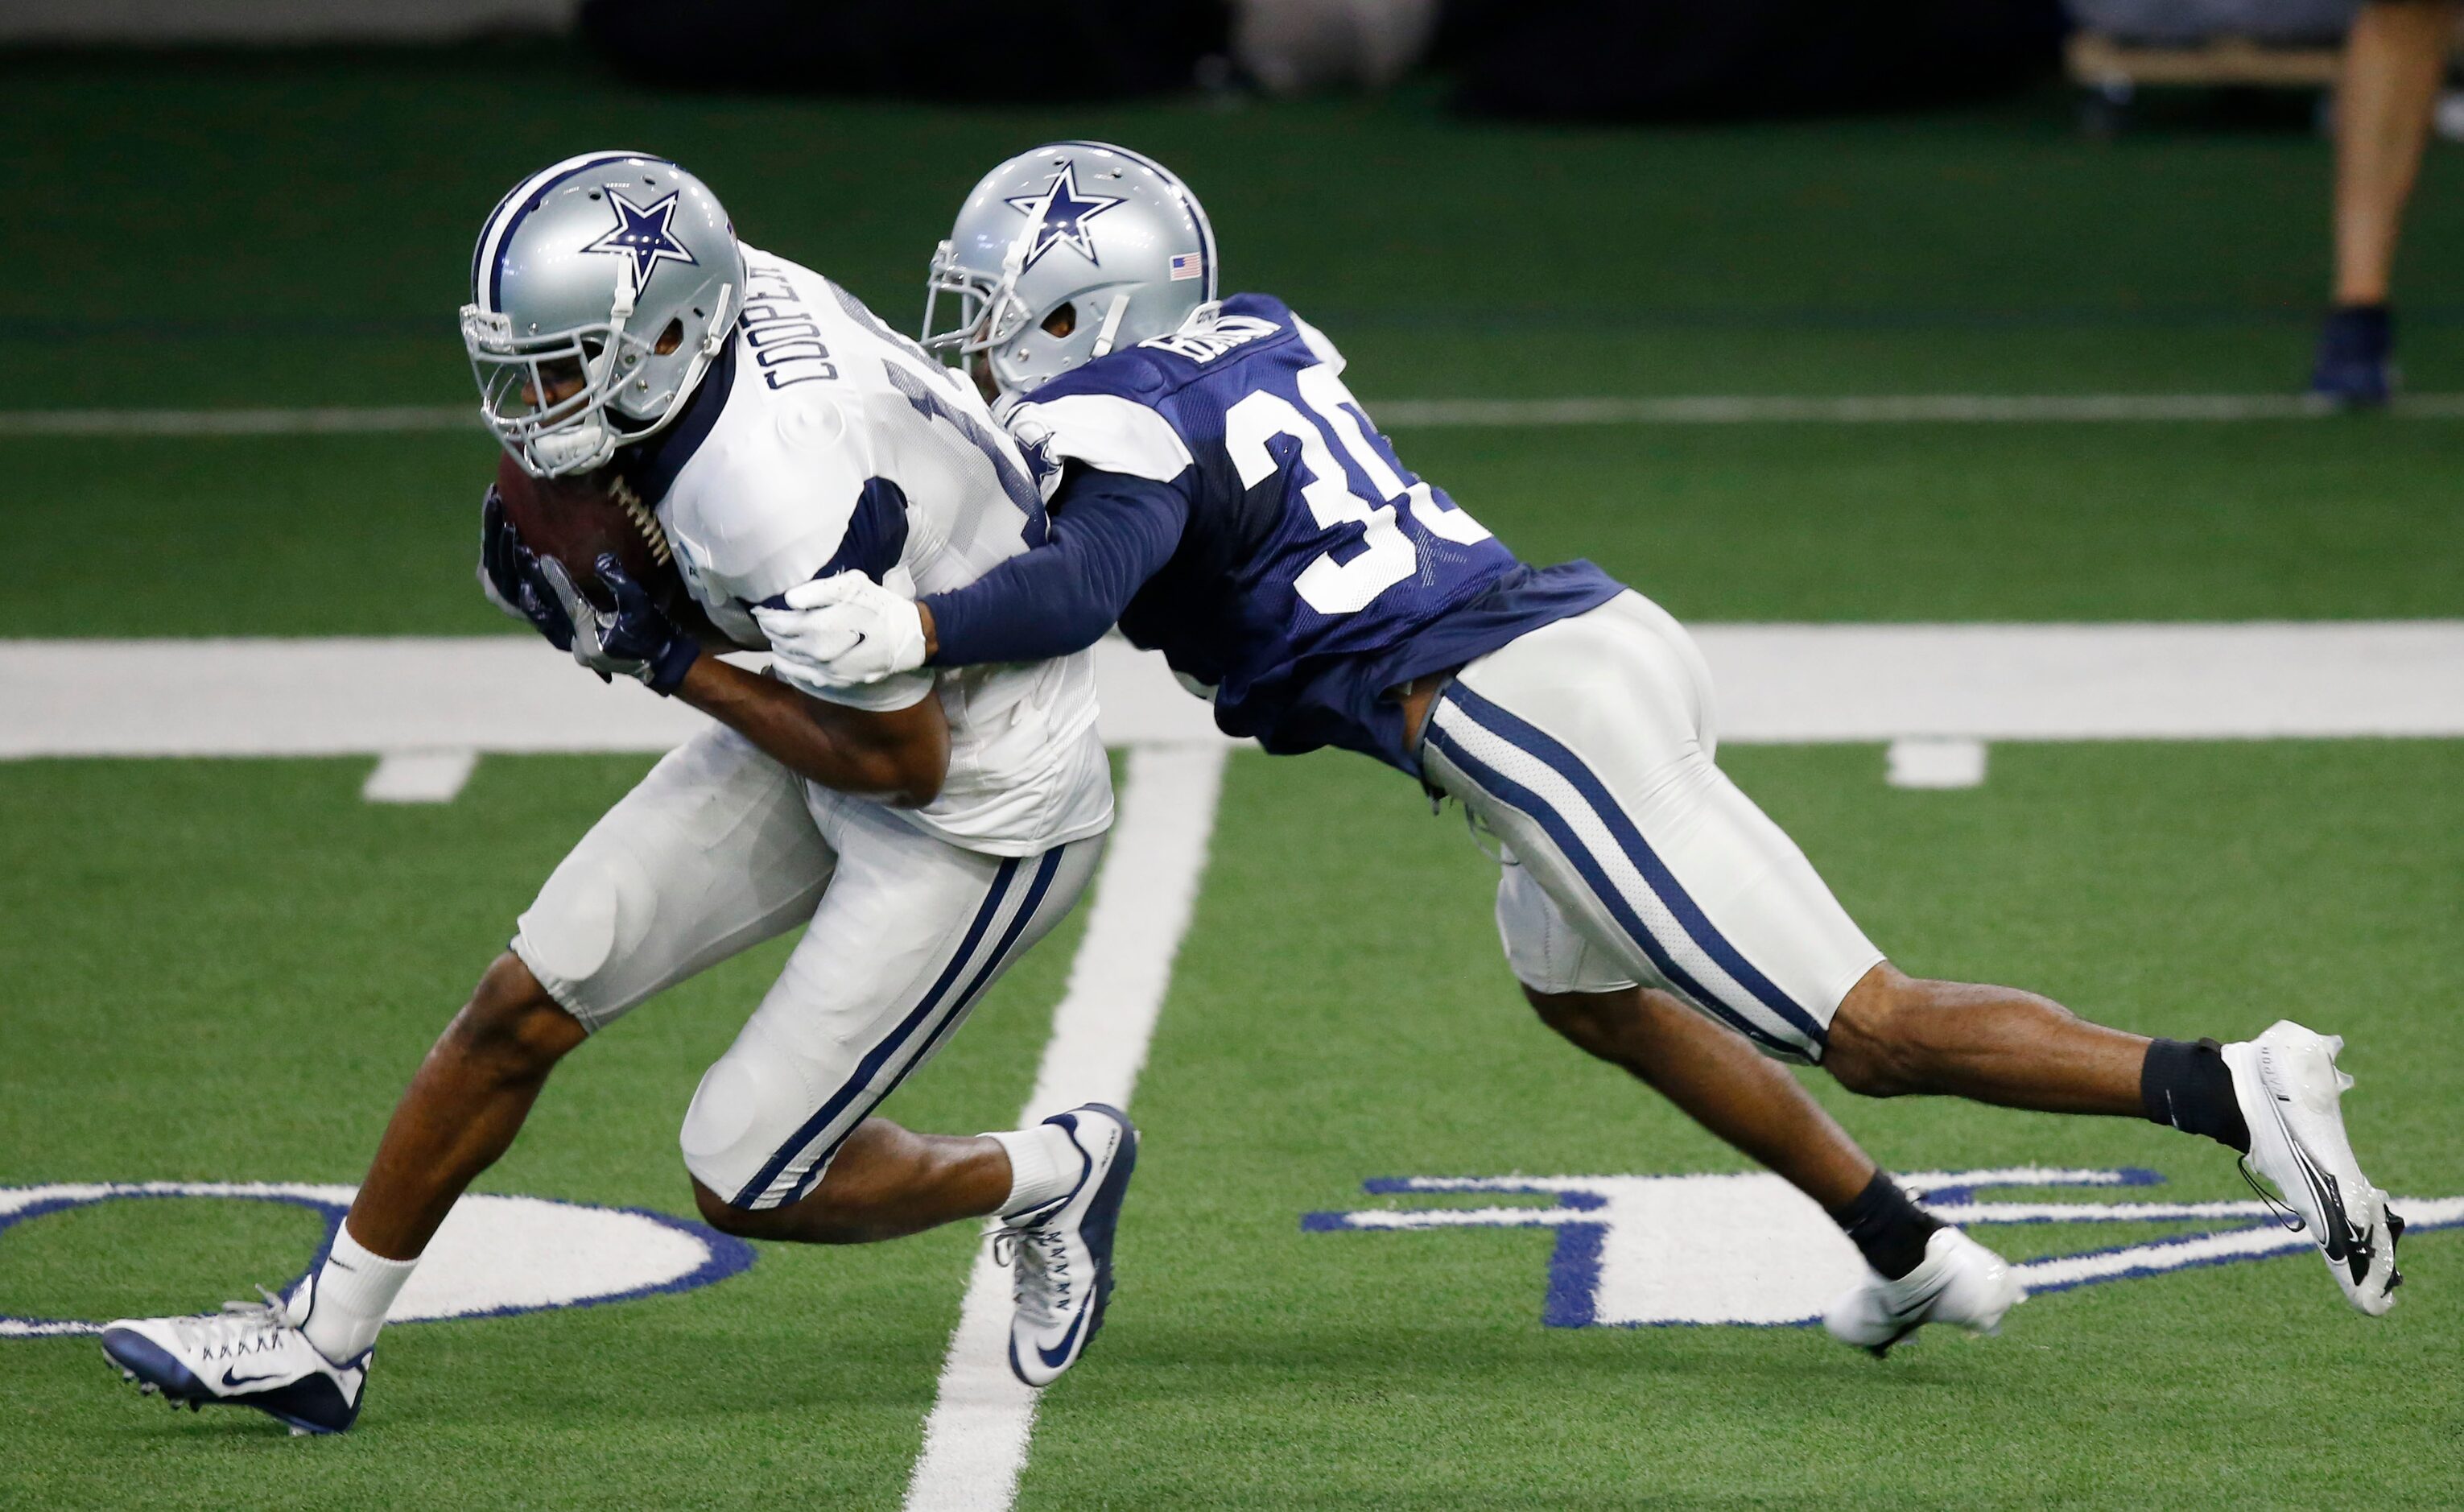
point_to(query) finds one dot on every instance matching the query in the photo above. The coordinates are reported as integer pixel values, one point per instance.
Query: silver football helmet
(616, 269)
(1110, 235)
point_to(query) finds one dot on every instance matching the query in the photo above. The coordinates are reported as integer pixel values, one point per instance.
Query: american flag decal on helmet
(1187, 265)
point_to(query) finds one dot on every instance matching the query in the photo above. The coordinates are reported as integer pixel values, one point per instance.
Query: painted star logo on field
(1629, 1247)
(642, 233)
(1061, 215)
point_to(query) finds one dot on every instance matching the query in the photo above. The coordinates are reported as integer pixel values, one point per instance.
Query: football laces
(647, 523)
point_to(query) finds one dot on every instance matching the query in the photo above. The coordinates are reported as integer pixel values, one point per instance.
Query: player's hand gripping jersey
(822, 442)
(1223, 494)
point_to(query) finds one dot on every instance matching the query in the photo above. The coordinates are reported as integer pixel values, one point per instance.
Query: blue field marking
(722, 1254)
(1585, 1213)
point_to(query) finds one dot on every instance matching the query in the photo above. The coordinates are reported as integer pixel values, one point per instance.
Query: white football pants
(720, 848)
(1586, 746)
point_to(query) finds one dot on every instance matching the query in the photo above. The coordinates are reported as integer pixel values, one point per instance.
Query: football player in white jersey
(924, 830)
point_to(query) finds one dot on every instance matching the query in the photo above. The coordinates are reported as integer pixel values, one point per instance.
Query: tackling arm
(1111, 532)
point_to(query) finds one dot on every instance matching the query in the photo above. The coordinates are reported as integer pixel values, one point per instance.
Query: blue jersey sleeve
(1108, 534)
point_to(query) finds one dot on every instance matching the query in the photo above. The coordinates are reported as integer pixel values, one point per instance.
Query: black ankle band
(2185, 1085)
(1888, 1228)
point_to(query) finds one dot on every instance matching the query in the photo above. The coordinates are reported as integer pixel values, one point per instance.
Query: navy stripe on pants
(871, 1066)
(1654, 873)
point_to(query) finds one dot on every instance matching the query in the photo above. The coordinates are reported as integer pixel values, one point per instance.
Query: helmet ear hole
(1062, 321)
(672, 336)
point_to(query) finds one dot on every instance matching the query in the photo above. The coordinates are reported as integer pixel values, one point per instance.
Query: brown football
(576, 519)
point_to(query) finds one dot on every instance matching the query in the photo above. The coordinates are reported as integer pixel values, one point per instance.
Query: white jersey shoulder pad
(764, 503)
(1319, 346)
(1104, 431)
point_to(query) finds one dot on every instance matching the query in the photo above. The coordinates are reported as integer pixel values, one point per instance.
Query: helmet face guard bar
(576, 433)
(550, 439)
(989, 313)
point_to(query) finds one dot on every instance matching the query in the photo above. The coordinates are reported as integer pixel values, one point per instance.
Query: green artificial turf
(223, 970)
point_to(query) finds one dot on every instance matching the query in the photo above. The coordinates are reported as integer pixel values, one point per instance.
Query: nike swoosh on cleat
(1922, 1300)
(2340, 1237)
(230, 1380)
(1052, 1358)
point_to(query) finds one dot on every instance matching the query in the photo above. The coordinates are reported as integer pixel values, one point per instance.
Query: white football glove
(846, 631)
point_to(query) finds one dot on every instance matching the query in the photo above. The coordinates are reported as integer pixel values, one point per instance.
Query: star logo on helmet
(642, 233)
(1059, 214)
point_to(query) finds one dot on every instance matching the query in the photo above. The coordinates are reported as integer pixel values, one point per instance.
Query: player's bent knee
(810, 1221)
(744, 1223)
(1869, 1049)
(511, 1019)
(749, 1134)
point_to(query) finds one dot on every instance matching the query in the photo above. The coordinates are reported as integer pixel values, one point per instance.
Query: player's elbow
(911, 771)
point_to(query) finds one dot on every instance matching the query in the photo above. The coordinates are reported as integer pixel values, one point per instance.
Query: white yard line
(377, 695)
(976, 1440)
(419, 776)
(1397, 414)
(1932, 761)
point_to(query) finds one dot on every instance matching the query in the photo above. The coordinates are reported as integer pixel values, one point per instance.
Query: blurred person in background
(2395, 62)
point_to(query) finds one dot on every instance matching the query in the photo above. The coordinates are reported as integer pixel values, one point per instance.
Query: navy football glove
(634, 638)
(509, 574)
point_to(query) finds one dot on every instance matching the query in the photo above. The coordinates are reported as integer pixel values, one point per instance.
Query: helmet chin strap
(721, 324)
(1111, 324)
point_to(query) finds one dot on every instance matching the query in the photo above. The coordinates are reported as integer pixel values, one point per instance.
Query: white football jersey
(824, 442)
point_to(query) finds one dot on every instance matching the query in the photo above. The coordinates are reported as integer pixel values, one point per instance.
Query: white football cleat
(2289, 1089)
(247, 1355)
(1060, 1255)
(1959, 1282)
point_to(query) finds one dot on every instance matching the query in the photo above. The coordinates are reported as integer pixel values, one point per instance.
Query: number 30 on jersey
(1386, 556)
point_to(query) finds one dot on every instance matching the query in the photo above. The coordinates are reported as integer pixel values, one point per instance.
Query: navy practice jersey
(1255, 529)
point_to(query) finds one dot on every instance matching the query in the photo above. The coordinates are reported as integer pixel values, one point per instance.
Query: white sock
(347, 1300)
(1043, 1165)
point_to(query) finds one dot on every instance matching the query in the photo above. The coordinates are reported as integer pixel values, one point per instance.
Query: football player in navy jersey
(1215, 489)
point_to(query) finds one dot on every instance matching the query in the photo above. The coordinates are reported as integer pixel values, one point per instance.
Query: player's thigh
(710, 853)
(910, 933)
(1581, 750)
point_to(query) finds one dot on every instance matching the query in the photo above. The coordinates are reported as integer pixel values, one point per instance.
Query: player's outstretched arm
(898, 756)
(1110, 534)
